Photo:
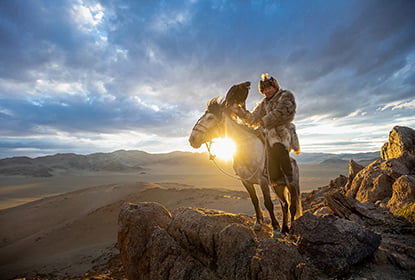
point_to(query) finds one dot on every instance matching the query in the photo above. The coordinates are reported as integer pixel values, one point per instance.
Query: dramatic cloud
(86, 76)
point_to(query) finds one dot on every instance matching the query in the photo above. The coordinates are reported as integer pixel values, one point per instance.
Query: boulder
(396, 167)
(276, 259)
(349, 208)
(371, 184)
(314, 201)
(166, 259)
(402, 202)
(374, 182)
(401, 140)
(333, 244)
(195, 243)
(137, 224)
(235, 247)
(354, 168)
(215, 238)
(339, 182)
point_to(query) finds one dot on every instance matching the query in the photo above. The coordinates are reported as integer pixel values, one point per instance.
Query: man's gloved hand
(234, 108)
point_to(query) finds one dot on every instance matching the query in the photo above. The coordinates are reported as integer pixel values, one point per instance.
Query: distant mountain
(334, 161)
(118, 161)
(138, 161)
(318, 158)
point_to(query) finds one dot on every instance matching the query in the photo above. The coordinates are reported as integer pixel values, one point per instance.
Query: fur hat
(267, 81)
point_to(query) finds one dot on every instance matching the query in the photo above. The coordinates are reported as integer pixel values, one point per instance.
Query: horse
(249, 162)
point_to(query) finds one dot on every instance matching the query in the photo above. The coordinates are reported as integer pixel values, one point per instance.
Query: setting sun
(223, 148)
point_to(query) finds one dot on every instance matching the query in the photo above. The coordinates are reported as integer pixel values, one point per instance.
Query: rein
(237, 177)
(212, 158)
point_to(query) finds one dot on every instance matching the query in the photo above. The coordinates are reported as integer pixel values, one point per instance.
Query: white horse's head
(209, 125)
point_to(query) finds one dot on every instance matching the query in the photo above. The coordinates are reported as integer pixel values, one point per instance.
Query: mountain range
(137, 161)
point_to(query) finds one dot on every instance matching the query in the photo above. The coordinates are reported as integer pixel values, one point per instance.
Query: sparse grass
(407, 212)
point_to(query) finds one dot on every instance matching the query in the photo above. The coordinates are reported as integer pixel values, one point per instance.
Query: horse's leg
(251, 190)
(270, 206)
(279, 190)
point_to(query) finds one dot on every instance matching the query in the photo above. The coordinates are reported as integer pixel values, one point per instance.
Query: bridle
(198, 127)
(201, 128)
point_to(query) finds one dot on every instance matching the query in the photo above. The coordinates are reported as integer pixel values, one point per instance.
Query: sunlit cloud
(56, 87)
(86, 76)
(408, 104)
(87, 17)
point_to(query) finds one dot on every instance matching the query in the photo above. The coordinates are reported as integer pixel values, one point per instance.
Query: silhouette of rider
(275, 113)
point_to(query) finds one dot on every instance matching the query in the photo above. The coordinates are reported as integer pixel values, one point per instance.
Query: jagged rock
(374, 182)
(339, 182)
(323, 211)
(235, 247)
(371, 184)
(314, 200)
(354, 168)
(202, 244)
(342, 206)
(166, 259)
(334, 244)
(348, 208)
(401, 141)
(399, 250)
(203, 234)
(403, 197)
(290, 264)
(192, 243)
(397, 167)
(137, 224)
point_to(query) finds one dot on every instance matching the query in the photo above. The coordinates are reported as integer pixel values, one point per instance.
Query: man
(274, 113)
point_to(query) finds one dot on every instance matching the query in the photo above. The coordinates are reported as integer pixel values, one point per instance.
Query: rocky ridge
(358, 227)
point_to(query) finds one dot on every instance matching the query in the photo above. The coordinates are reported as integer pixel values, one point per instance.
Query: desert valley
(59, 214)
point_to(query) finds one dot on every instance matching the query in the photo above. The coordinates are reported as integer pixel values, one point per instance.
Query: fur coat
(277, 114)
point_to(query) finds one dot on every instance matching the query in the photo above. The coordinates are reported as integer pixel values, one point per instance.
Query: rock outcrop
(152, 216)
(403, 197)
(194, 243)
(390, 180)
(333, 244)
(380, 197)
(401, 141)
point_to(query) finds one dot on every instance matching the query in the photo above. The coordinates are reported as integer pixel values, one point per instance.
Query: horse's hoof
(257, 226)
(276, 233)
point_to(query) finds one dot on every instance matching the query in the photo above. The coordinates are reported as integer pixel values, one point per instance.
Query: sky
(98, 76)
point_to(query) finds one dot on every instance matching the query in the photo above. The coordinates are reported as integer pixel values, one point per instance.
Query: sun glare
(223, 148)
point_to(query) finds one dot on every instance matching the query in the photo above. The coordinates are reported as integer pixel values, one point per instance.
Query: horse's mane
(248, 128)
(214, 106)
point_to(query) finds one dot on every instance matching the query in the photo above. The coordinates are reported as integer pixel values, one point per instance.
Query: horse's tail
(296, 189)
(294, 202)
